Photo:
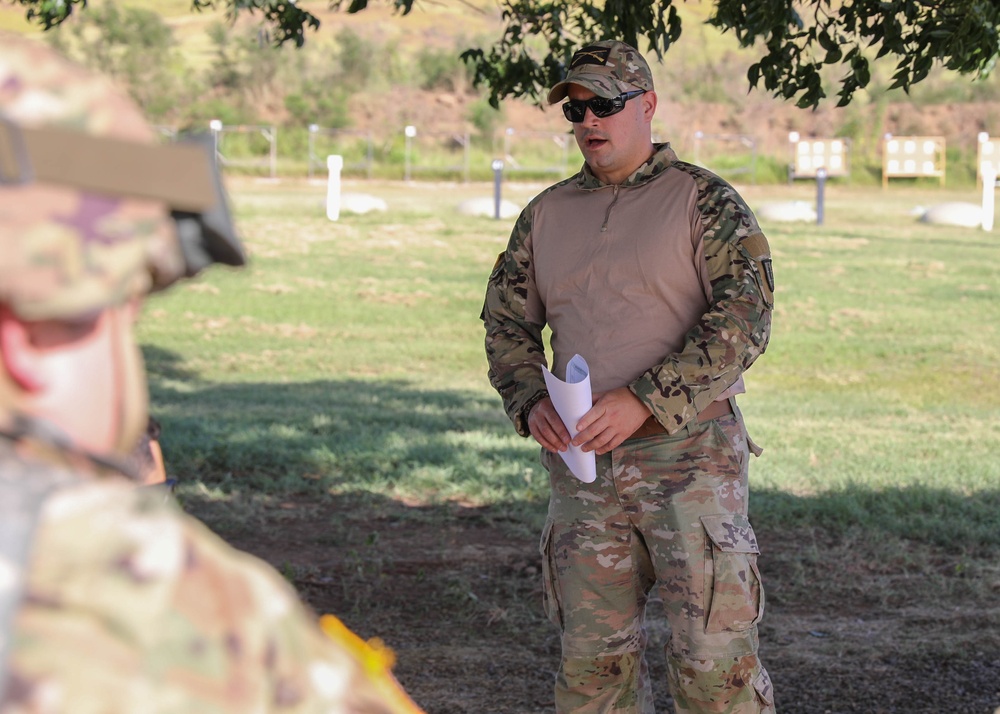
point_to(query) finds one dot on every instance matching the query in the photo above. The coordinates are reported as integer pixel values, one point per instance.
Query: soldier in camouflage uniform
(656, 272)
(112, 600)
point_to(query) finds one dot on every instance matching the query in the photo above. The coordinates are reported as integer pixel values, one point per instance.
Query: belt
(651, 427)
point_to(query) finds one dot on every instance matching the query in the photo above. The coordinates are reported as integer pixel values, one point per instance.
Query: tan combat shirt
(661, 283)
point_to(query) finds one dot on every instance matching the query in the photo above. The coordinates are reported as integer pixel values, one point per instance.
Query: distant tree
(133, 45)
(356, 59)
(797, 38)
(242, 62)
(440, 68)
(322, 78)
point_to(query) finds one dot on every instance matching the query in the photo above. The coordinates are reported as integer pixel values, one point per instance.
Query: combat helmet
(94, 207)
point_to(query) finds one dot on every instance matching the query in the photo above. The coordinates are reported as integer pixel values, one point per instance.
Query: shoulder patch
(757, 246)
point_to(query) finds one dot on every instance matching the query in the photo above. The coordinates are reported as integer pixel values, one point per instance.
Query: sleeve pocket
(732, 582)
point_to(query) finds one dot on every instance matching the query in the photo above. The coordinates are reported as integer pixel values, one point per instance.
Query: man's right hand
(546, 426)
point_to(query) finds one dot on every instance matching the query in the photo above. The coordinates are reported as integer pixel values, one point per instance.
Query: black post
(820, 185)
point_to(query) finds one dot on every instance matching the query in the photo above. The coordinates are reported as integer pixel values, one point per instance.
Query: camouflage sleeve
(514, 347)
(131, 606)
(735, 330)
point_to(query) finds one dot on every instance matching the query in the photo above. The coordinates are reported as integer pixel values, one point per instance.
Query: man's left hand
(616, 414)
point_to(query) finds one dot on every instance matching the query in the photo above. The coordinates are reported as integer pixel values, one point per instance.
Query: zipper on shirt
(607, 214)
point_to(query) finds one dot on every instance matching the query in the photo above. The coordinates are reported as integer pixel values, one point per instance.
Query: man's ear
(649, 105)
(17, 352)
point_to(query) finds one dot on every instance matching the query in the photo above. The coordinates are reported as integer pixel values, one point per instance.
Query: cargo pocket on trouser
(551, 602)
(733, 591)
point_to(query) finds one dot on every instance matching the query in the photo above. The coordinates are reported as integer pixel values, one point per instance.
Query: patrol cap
(94, 209)
(607, 69)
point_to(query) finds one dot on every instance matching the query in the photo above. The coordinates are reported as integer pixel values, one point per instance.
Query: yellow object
(376, 660)
(374, 656)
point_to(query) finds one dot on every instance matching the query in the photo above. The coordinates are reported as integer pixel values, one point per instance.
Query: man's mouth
(594, 141)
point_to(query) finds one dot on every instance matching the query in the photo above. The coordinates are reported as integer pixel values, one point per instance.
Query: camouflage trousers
(667, 513)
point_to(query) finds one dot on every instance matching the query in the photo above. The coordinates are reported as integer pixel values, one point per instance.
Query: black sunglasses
(576, 109)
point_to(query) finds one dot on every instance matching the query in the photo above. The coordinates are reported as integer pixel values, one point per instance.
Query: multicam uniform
(111, 600)
(123, 604)
(675, 310)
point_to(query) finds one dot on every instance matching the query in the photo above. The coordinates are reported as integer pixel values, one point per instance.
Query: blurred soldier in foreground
(110, 599)
(146, 458)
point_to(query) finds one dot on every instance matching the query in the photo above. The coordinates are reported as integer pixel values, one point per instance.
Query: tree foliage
(133, 45)
(962, 35)
(796, 38)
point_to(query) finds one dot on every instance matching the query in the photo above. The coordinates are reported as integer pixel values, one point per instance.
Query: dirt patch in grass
(851, 625)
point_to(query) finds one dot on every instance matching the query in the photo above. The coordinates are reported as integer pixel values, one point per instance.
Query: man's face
(94, 384)
(617, 145)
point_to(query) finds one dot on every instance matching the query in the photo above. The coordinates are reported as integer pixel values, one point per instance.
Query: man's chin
(598, 161)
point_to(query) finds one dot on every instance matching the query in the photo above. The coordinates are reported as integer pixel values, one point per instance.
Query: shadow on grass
(963, 523)
(341, 434)
(397, 440)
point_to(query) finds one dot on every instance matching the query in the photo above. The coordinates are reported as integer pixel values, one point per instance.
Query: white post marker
(410, 131)
(216, 126)
(989, 195)
(334, 163)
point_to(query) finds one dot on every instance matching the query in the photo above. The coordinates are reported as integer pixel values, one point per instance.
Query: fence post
(216, 126)
(313, 128)
(410, 131)
(334, 164)
(497, 179)
(820, 186)
(989, 196)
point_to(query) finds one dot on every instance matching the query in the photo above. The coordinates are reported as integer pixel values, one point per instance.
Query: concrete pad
(786, 212)
(957, 213)
(487, 207)
(361, 203)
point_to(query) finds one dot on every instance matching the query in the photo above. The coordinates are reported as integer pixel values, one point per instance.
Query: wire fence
(411, 153)
(415, 153)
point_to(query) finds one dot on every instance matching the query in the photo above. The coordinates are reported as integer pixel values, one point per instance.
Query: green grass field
(348, 359)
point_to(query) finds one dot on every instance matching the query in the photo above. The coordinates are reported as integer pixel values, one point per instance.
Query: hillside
(702, 82)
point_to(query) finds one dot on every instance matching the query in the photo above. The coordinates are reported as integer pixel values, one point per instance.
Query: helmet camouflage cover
(75, 236)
